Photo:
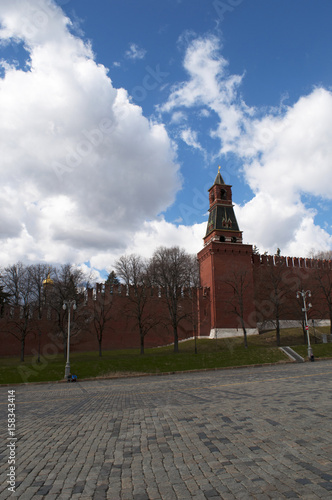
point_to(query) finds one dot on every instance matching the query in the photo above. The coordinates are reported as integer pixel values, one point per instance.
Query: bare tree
(238, 280)
(170, 269)
(194, 282)
(67, 281)
(4, 298)
(18, 285)
(101, 314)
(324, 255)
(40, 279)
(273, 282)
(133, 271)
(13, 278)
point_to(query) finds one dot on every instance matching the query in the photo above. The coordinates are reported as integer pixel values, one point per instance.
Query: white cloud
(71, 186)
(210, 87)
(153, 234)
(286, 152)
(286, 157)
(292, 151)
(178, 117)
(135, 52)
(190, 138)
(73, 190)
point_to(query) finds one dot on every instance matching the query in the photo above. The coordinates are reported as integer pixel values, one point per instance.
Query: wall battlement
(298, 262)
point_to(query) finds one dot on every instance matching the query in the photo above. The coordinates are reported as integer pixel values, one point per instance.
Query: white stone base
(223, 333)
(270, 325)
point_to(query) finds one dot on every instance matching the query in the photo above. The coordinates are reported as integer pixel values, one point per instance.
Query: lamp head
(64, 307)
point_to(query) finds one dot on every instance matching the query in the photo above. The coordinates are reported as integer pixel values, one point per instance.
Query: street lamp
(305, 309)
(69, 304)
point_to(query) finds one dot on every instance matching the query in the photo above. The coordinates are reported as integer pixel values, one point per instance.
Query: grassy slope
(211, 354)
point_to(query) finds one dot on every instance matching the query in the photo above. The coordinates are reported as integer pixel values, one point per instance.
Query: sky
(115, 114)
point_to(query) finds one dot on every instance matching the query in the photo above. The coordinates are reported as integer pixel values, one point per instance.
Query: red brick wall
(296, 274)
(209, 304)
(220, 262)
(121, 332)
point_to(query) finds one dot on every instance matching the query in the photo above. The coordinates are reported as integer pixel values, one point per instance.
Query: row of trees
(31, 289)
(35, 288)
(170, 269)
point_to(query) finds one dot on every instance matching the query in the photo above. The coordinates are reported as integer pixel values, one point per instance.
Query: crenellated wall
(298, 262)
(121, 331)
(207, 307)
(289, 275)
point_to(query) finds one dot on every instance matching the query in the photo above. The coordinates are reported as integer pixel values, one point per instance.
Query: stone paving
(252, 433)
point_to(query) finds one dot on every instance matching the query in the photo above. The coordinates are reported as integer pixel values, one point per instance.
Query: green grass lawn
(211, 354)
(319, 350)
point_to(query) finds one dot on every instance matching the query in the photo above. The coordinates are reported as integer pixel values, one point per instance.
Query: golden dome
(48, 280)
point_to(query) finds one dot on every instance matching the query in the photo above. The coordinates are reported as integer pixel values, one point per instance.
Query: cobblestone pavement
(251, 433)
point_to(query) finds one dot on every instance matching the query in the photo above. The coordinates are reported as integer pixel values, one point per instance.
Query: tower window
(222, 239)
(222, 194)
(233, 239)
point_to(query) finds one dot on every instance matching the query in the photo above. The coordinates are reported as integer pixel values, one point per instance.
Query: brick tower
(225, 263)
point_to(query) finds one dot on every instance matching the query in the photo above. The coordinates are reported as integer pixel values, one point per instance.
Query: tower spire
(219, 179)
(222, 224)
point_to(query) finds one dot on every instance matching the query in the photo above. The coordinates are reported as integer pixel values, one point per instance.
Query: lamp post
(305, 309)
(68, 304)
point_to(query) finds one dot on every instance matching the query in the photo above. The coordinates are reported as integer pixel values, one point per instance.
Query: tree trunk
(244, 334)
(100, 353)
(176, 339)
(22, 348)
(278, 332)
(142, 343)
(245, 338)
(39, 340)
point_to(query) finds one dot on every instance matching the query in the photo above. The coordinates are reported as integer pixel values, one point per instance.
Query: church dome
(48, 281)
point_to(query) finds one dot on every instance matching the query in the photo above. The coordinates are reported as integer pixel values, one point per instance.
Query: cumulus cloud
(71, 186)
(211, 87)
(85, 176)
(286, 152)
(292, 152)
(157, 233)
(286, 157)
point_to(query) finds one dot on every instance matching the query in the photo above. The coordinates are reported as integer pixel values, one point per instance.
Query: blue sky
(115, 115)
